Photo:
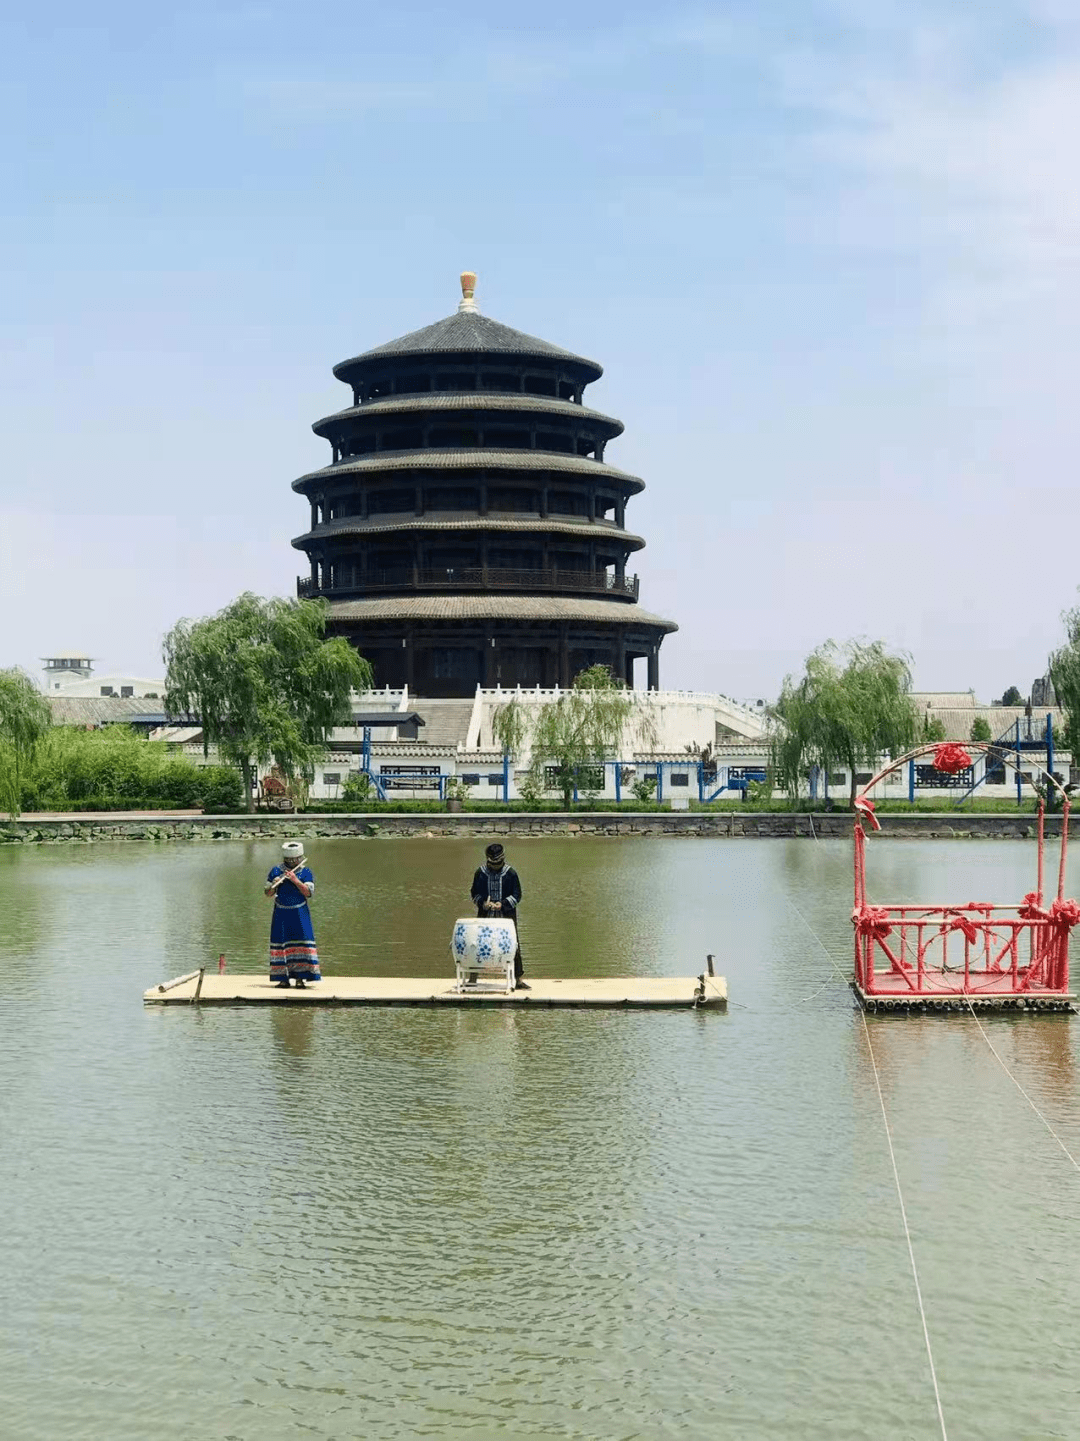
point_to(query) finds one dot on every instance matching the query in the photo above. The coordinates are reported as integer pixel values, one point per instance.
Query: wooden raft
(632, 992)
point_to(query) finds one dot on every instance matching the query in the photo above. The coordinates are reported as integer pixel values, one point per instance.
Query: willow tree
(576, 735)
(1065, 674)
(25, 716)
(264, 682)
(852, 703)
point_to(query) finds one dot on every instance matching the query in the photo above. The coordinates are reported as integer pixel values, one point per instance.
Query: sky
(828, 254)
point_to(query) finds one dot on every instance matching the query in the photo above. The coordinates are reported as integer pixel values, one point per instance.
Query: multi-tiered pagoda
(469, 531)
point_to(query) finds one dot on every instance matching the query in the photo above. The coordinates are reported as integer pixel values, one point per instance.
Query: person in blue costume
(496, 894)
(293, 955)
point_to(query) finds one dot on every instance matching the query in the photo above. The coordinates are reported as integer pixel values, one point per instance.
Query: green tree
(264, 682)
(852, 704)
(1065, 674)
(25, 717)
(933, 729)
(980, 729)
(1012, 696)
(576, 734)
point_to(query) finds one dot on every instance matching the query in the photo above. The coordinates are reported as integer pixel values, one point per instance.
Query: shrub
(358, 788)
(644, 789)
(223, 790)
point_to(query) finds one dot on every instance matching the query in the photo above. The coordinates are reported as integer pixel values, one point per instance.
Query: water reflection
(411, 1222)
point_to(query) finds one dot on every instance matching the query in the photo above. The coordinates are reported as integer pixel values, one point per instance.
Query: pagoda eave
(472, 525)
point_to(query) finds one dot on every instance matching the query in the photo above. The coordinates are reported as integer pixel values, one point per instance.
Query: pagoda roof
(470, 521)
(578, 465)
(497, 607)
(466, 332)
(469, 400)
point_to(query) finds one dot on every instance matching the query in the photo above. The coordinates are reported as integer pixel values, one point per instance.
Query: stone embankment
(729, 824)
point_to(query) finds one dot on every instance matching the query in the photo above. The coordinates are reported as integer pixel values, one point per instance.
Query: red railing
(909, 950)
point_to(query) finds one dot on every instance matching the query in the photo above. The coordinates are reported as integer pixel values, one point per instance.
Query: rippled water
(263, 1224)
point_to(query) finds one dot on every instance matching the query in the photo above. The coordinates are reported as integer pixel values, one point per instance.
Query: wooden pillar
(314, 573)
(410, 659)
(564, 658)
(419, 500)
(483, 498)
(654, 668)
(544, 503)
(628, 672)
(620, 512)
(620, 656)
(314, 513)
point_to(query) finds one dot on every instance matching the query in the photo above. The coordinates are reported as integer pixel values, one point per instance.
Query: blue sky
(828, 253)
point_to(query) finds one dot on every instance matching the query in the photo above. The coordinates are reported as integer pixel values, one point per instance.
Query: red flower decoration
(951, 758)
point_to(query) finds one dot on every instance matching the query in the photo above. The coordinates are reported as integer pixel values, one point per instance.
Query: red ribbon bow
(1066, 913)
(865, 808)
(872, 921)
(1031, 910)
(950, 758)
(961, 923)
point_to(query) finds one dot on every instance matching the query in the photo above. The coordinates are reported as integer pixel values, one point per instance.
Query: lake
(292, 1223)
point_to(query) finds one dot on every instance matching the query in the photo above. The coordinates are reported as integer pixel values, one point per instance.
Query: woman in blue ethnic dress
(293, 955)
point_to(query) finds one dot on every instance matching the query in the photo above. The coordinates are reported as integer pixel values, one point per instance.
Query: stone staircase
(446, 722)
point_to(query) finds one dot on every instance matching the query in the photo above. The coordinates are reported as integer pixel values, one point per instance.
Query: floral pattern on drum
(483, 942)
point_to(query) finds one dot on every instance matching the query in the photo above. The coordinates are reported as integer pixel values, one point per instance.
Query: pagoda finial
(468, 291)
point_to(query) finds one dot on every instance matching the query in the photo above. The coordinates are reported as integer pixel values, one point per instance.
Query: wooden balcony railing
(549, 580)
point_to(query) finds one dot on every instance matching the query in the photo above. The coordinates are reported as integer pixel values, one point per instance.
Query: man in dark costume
(496, 893)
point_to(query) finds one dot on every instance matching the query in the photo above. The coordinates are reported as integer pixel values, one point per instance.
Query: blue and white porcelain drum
(483, 943)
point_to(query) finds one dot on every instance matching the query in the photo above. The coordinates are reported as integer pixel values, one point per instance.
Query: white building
(72, 674)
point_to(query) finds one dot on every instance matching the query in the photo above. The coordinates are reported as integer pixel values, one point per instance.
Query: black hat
(494, 852)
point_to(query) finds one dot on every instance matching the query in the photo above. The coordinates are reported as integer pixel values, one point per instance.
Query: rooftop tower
(468, 530)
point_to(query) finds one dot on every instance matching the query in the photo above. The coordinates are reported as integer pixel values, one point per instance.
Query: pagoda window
(569, 560)
(411, 439)
(586, 445)
(413, 384)
(562, 443)
(567, 502)
(540, 385)
(507, 439)
(457, 437)
(509, 558)
(362, 444)
(566, 390)
(451, 497)
(453, 663)
(387, 502)
(455, 380)
(605, 507)
(512, 499)
(453, 558)
(499, 380)
(383, 386)
(390, 567)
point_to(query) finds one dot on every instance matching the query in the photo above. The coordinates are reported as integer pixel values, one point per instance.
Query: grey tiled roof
(467, 331)
(497, 607)
(475, 460)
(581, 530)
(470, 400)
(78, 710)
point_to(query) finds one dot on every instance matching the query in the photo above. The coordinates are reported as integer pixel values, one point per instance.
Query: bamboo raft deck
(629, 993)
